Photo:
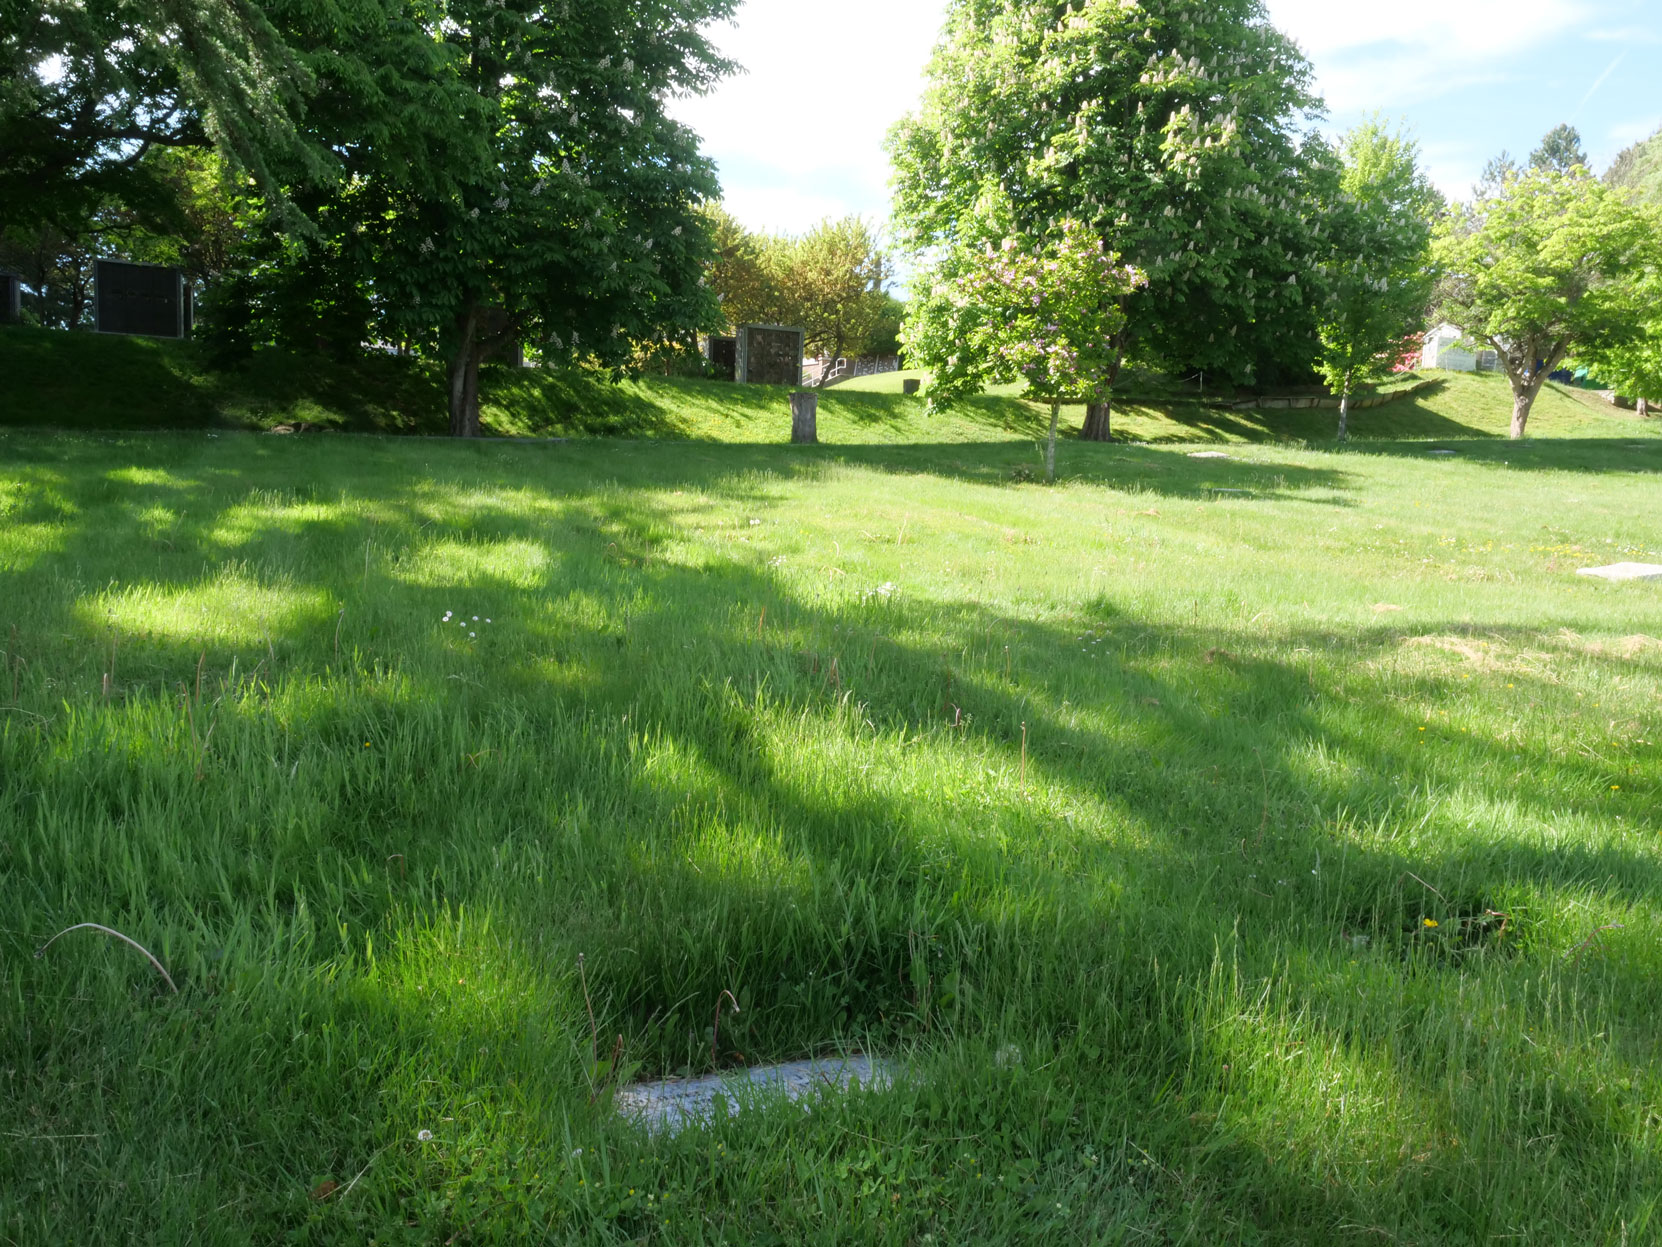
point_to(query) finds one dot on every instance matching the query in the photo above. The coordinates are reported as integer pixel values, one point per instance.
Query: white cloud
(782, 209)
(821, 87)
(1369, 54)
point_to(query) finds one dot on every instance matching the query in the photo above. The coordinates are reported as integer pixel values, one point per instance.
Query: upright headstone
(805, 418)
(911, 385)
(151, 300)
(11, 298)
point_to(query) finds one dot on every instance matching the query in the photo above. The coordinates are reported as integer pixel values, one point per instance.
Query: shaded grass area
(1278, 866)
(1460, 406)
(86, 381)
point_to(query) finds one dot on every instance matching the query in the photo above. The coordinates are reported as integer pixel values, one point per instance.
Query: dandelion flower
(1432, 923)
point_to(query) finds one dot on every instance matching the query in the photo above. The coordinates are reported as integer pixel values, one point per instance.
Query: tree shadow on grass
(1558, 454)
(663, 769)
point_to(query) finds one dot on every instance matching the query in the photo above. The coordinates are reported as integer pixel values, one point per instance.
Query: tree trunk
(1522, 401)
(805, 418)
(1050, 447)
(1344, 410)
(1099, 415)
(1098, 421)
(1643, 407)
(464, 377)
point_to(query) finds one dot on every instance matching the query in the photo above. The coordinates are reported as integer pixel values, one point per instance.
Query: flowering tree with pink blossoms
(1043, 312)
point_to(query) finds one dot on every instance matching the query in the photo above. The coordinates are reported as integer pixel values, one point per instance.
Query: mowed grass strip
(1277, 865)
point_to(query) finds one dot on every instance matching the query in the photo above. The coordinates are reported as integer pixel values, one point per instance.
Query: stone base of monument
(1625, 571)
(675, 1103)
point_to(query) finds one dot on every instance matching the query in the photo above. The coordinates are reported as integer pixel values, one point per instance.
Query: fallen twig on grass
(93, 926)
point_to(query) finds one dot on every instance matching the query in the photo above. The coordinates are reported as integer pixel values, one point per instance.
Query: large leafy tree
(510, 174)
(833, 281)
(1378, 278)
(1551, 264)
(1172, 129)
(829, 281)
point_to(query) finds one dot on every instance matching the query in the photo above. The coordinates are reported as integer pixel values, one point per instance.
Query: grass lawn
(94, 382)
(1277, 866)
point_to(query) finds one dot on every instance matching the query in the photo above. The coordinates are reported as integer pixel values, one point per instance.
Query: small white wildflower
(885, 589)
(424, 1136)
(472, 635)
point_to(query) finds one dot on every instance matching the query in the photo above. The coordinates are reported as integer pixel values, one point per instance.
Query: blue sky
(799, 136)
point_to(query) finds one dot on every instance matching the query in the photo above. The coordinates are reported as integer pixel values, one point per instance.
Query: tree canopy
(1171, 129)
(1560, 151)
(1378, 275)
(1041, 310)
(1549, 265)
(1638, 170)
(87, 91)
(829, 281)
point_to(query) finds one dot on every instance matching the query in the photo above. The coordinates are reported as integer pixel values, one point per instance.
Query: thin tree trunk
(1344, 410)
(1522, 401)
(464, 377)
(1643, 407)
(1050, 447)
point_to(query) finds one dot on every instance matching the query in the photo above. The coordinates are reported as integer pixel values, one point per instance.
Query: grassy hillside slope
(85, 381)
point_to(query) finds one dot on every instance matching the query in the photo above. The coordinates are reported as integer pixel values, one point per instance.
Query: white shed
(1444, 349)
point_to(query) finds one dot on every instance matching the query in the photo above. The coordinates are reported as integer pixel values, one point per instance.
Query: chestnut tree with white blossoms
(1177, 131)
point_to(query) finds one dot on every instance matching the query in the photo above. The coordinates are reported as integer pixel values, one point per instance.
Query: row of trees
(1181, 137)
(831, 281)
(449, 175)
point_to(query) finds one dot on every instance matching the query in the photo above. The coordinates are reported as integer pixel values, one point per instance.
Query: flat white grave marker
(1625, 571)
(1208, 454)
(678, 1102)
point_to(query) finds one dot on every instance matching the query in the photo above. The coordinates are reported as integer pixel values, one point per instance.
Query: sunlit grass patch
(232, 608)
